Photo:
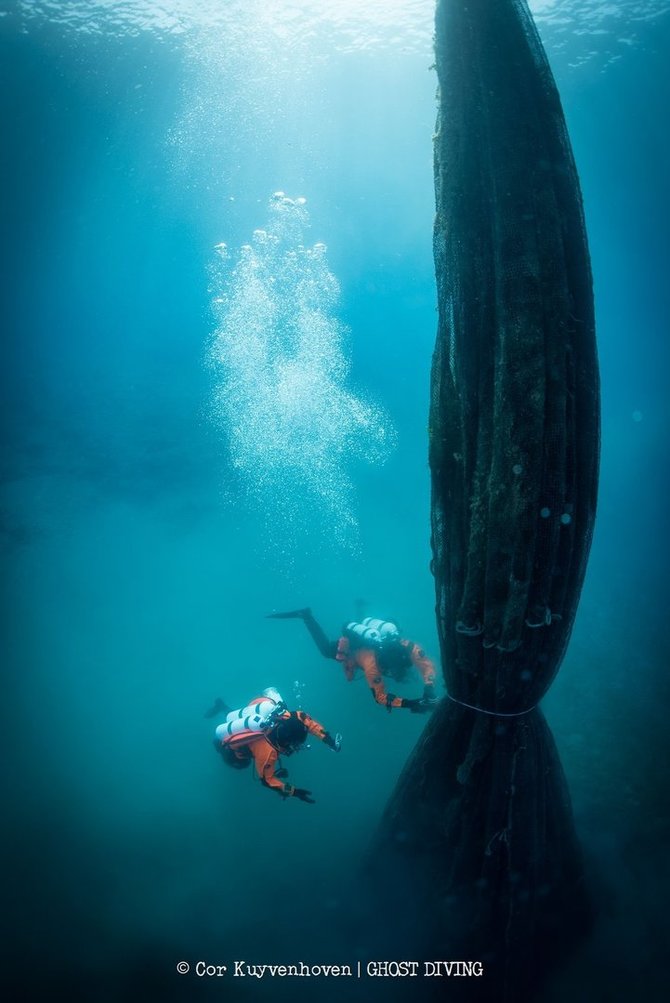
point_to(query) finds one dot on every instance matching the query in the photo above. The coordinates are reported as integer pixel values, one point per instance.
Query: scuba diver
(376, 647)
(263, 731)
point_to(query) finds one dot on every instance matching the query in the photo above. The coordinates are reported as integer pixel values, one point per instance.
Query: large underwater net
(480, 822)
(514, 397)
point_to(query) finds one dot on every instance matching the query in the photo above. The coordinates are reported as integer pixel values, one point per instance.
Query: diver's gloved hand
(416, 706)
(429, 696)
(303, 795)
(333, 743)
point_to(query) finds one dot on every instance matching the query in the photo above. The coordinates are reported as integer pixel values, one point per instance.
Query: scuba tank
(383, 637)
(387, 630)
(371, 632)
(258, 716)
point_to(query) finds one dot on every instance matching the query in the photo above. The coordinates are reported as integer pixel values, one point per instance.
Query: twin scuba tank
(371, 633)
(383, 636)
(259, 716)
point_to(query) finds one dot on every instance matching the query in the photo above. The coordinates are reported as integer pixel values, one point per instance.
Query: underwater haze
(219, 314)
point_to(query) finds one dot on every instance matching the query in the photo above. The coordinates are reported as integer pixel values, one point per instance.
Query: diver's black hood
(394, 660)
(290, 732)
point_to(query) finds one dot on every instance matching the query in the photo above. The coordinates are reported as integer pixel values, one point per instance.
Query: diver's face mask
(398, 673)
(289, 739)
(394, 659)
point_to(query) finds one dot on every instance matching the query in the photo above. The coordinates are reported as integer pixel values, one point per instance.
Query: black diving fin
(218, 707)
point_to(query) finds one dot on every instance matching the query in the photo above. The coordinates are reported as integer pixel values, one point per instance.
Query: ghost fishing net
(481, 816)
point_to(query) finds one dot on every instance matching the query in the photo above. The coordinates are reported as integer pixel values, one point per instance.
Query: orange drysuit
(265, 755)
(366, 659)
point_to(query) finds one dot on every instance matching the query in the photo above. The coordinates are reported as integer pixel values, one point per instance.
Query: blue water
(158, 497)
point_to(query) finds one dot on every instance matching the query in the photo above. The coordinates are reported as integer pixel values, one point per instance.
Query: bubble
(517, 468)
(566, 519)
(298, 691)
(637, 416)
(281, 392)
(545, 512)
